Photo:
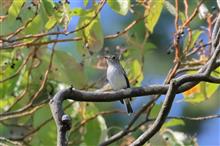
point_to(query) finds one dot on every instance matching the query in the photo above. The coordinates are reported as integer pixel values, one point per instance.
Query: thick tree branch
(161, 116)
(79, 95)
(62, 121)
(182, 83)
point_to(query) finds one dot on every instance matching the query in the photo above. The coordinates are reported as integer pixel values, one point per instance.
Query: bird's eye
(113, 57)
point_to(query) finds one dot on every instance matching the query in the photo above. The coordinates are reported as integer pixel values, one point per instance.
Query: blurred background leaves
(80, 63)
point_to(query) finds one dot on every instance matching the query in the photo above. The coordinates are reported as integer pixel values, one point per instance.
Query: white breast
(116, 78)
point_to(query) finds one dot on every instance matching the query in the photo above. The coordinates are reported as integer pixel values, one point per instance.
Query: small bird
(117, 78)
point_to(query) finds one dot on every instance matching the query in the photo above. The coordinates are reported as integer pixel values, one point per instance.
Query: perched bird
(117, 78)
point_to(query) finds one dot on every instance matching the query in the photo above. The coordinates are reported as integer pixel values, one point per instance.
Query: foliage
(32, 69)
(153, 14)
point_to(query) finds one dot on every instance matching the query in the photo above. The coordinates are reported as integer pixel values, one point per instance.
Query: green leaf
(92, 35)
(197, 98)
(136, 72)
(77, 12)
(134, 53)
(85, 2)
(8, 68)
(6, 102)
(173, 122)
(182, 16)
(216, 73)
(170, 7)
(155, 110)
(153, 14)
(195, 36)
(38, 23)
(96, 131)
(44, 63)
(15, 8)
(148, 46)
(92, 133)
(11, 24)
(51, 23)
(210, 89)
(103, 128)
(119, 6)
(91, 110)
(48, 130)
(200, 92)
(67, 70)
(48, 5)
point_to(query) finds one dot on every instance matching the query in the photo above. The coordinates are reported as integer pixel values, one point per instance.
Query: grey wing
(125, 76)
(127, 81)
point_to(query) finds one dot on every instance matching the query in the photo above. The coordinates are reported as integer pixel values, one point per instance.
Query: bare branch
(161, 116)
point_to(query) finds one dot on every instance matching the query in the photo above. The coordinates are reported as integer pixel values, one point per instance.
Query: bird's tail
(128, 106)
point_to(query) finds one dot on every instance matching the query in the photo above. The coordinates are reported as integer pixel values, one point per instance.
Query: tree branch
(182, 84)
(161, 116)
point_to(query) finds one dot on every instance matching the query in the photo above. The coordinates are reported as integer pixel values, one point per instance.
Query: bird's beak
(106, 57)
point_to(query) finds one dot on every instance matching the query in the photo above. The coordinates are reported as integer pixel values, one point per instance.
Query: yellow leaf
(192, 91)
(153, 14)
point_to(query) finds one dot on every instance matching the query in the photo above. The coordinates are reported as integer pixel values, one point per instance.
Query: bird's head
(112, 59)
